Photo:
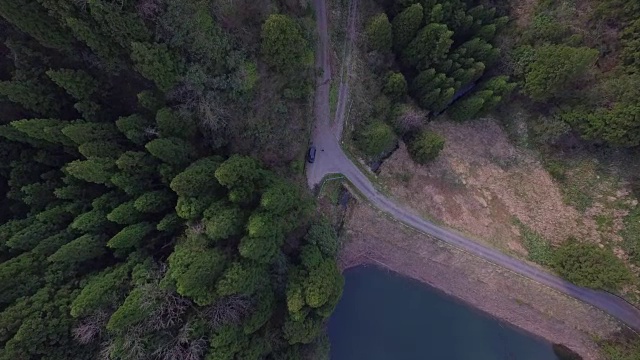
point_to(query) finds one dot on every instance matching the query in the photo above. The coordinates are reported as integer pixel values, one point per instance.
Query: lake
(385, 316)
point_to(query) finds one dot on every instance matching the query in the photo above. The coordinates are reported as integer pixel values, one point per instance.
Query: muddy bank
(371, 238)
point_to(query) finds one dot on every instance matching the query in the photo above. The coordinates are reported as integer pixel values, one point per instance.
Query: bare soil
(371, 238)
(481, 183)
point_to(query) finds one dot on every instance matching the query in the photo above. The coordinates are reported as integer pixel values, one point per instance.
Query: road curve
(332, 159)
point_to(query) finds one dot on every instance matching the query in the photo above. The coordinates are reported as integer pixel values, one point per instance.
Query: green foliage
(32, 96)
(396, 86)
(131, 236)
(84, 132)
(324, 236)
(173, 151)
(32, 18)
(467, 108)
(130, 312)
(379, 33)
(425, 146)
(196, 268)
(156, 62)
(283, 45)
(95, 170)
(170, 124)
(242, 277)
(539, 250)
(303, 331)
(100, 149)
(93, 221)
(591, 266)
(125, 213)
(241, 175)
(44, 129)
(197, 179)
(77, 83)
(554, 68)
(99, 291)
(154, 201)
(192, 208)
(84, 248)
(376, 138)
(430, 45)
(223, 220)
(131, 109)
(135, 128)
(170, 223)
(261, 249)
(406, 25)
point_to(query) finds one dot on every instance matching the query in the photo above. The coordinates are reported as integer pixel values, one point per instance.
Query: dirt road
(331, 159)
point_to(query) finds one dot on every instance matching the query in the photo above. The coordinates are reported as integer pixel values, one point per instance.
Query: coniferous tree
(406, 26)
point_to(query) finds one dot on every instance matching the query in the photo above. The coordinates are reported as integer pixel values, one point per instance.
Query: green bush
(590, 266)
(425, 146)
(376, 138)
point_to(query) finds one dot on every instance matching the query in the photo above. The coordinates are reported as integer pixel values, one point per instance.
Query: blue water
(384, 316)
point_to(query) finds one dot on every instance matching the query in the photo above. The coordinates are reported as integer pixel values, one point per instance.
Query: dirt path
(331, 159)
(345, 72)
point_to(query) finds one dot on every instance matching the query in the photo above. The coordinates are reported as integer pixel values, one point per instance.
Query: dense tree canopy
(134, 222)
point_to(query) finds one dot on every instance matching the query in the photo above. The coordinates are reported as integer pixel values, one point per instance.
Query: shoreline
(373, 239)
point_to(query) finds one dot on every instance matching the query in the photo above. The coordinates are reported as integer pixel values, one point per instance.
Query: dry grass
(372, 238)
(481, 181)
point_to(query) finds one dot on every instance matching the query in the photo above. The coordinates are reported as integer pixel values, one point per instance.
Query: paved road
(331, 159)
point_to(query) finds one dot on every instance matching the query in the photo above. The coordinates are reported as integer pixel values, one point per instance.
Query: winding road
(331, 159)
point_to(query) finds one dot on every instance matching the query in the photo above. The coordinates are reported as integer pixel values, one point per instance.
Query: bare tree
(228, 310)
(410, 120)
(168, 310)
(148, 9)
(181, 346)
(90, 328)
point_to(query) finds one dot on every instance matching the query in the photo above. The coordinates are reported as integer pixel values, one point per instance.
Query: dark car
(311, 156)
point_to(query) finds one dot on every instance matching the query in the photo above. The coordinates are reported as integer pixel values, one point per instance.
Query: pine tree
(44, 129)
(198, 179)
(172, 151)
(283, 46)
(406, 26)
(467, 108)
(136, 128)
(125, 214)
(82, 132)
(156, 63)
(379, 33)
(131, 236)
(170, 124)
(396, 86)
(77, 83)
(195, 268)
(84, 248)
(430, 46)
(30, 17)
(97, 292)
(155, 201)
(32, 96)
(101, 149)
(96, 170)
(223, 220)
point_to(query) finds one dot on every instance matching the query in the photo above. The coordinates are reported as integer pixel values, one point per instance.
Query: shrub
(591, 266)
(376, 138)
(425, 146)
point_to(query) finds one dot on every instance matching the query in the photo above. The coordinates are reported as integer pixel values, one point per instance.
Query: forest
(151, 204)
